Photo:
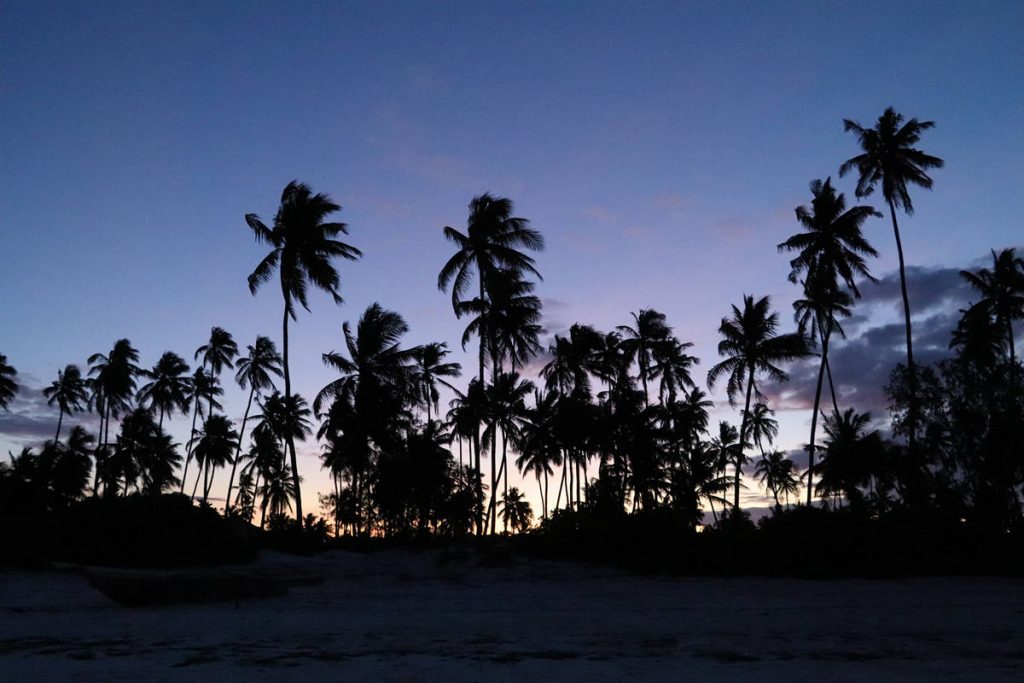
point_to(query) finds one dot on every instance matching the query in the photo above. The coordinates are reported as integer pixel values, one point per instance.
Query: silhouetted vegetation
(614, 429)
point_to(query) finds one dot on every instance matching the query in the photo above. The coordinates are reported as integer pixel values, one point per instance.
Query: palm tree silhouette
(214, 447)
(8, 388)
(507, 407)
(303, 248)
(431, 371)
(515, 510)
(776, 472)
(169, 386)
(203, 386)
(889, 158)
(68, 391)
(822, 306)
(752, 347)
(254, 371)
(113, 385)
(639, 342)
(493, 241)
(538, 447)
(1002, 295)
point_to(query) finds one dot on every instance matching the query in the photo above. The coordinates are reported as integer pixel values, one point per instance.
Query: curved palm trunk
(814, 417)
(238, 450)
(912, 406)
(287, 398)
(60, 419)
(743, 432)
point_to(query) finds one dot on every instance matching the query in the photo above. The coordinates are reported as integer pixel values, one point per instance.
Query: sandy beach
(408, 616)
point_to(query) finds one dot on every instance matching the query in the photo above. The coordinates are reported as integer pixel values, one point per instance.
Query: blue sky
(660, 147)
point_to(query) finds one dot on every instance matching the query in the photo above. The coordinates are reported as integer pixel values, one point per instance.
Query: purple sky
(661, 148)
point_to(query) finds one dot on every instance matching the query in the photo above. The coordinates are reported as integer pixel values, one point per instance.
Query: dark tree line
(615, 421)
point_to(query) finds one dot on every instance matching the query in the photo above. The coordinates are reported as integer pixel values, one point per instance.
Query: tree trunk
(504, 461)
(912, 405)
(238, 450)
(743, 431)
(814, 417)
(287, 398)
(60, 419)
(191, 445)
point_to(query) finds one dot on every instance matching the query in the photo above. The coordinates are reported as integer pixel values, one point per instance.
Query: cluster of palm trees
(620, 405)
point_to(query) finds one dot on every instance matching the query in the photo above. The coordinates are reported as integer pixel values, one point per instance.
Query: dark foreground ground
(408, 616)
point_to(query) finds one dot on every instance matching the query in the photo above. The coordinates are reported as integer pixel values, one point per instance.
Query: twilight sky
(660, 147)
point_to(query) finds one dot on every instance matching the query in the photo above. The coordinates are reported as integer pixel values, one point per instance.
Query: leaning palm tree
(303, 248)
(752, 347)
(1002, 295)
(889, 158)
(168, 388)
(68, 391)
(8, 388)
(254, 370)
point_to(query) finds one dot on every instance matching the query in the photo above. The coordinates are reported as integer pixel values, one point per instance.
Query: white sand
(406, 617)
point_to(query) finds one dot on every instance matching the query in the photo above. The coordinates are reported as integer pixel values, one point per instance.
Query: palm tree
(203, 386)
(776, 472)
(68, 391)
(168, 388)
(8, 388)
(493, 241)
(639, 342)
(822, 305)
(303, 247)
(1002, 294)
(219, 352)
(254, 370)
(113, 385)
(573, 359)
(70, 474)
(889, 158)
(751, 346)
(431, 371)
(515, 510)
(762, 427)
(507, 408)
(537, 445)
(214, 447)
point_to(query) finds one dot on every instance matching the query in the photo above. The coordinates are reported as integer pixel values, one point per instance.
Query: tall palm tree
(494, 240)
(303, 249)
(432, 370)
(822, 306)
(507, 407)
(762, 427)
(68, 391)
(254, 371)
(1002, 294)
(8, 388)
(113, 385)
(168, 388)
(889, 158)
(537, 445)
(751, 347)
